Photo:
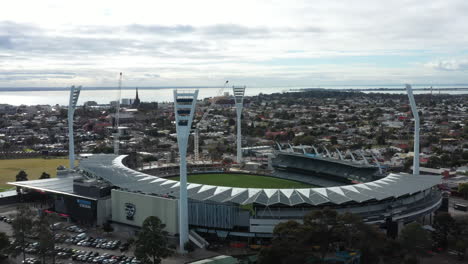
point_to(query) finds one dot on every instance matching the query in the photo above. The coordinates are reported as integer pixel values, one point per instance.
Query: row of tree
(25, 224)
(451, 233)
(324, 232)
(23, 176)
(320, 235)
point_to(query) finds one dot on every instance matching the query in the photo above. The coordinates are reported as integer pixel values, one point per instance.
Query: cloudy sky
(257, 43)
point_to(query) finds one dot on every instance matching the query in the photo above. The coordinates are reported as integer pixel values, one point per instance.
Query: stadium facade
(103, 189)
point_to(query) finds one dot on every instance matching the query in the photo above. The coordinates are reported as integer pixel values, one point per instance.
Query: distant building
(136, 102)
(127, 101)
(90, 103)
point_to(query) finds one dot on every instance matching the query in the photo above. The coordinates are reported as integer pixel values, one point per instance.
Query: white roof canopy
(110, 168)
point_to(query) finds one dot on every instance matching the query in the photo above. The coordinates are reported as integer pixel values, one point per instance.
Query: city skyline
(260, 44)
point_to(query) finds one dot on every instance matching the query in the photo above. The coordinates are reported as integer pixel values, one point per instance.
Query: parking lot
(101, 252)
(74, 244)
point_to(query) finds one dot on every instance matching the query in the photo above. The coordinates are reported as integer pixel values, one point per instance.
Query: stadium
(220, 203)
(105, 188)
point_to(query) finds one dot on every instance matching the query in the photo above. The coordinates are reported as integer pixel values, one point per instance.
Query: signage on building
(84, 203)
(130, 210)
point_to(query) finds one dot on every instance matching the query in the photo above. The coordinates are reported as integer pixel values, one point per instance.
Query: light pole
(414, 109)
(116, 134)
(239, 92)
(184, 109)
(74, 94)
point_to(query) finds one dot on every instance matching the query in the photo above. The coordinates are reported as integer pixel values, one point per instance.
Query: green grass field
(244, 181)
(33, 167)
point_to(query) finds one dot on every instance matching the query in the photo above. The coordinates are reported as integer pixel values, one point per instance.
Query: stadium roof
(110, 168)
(61, 185)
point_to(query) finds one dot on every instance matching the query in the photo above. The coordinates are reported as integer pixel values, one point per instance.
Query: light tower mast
(184, 109)
(414, 109)
(239, 92)
(116, 134)
(74, 95)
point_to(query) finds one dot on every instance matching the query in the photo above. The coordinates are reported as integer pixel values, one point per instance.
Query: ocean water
(166, 95)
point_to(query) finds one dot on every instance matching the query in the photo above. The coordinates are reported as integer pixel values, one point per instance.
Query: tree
(414, 239)
(22, 224)
(151, 244)
(458, 238)
(294, 242)
(107, 227)
(231, 122)
(45, 175)
(45, 237)
(463, 189)
(407, 164)
(4, 242)
(392, 252)
(443, 224)
(321, 227)
(304, 140)
(380, 140)
(287, 245)
(355, 234)
(189, 246)
(22, 176)
(103, 148)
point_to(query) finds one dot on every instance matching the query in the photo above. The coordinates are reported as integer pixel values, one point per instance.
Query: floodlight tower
(74, 94)
(116, 134)
(414, 109)
(184, 109)
(239, 92)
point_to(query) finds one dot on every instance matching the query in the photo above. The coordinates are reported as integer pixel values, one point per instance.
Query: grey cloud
(159, 29)
(216, 30)
(12, 28)
(25, 40)
(29, 72)
(32, 77)
(306, 29)
(67, 47)
(43, 45)
(151, 29)
(235, 30)
(18, 75)
(91, 30)
(5, 42)
(449, 65)
(152, 75)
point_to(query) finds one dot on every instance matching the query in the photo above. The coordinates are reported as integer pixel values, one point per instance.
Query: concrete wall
(144, 206)
(103, 213)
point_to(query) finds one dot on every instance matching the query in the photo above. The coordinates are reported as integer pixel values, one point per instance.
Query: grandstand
(330, 168)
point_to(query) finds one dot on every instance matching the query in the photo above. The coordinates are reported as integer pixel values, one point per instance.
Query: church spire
(136, 102)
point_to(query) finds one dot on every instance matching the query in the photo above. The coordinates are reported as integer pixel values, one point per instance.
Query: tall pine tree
(151, 244)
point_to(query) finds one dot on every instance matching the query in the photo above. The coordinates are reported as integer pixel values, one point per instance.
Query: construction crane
(196, 139)
(116, 133)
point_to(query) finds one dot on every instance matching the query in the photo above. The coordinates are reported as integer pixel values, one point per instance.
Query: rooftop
(110, 168)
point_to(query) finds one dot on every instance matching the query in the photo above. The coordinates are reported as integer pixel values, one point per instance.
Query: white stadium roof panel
(111, 168)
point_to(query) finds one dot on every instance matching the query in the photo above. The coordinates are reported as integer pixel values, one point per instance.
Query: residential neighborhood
(379, 124)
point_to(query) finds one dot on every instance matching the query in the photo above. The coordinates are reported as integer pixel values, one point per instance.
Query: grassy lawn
(244, 181)
(33, 167)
